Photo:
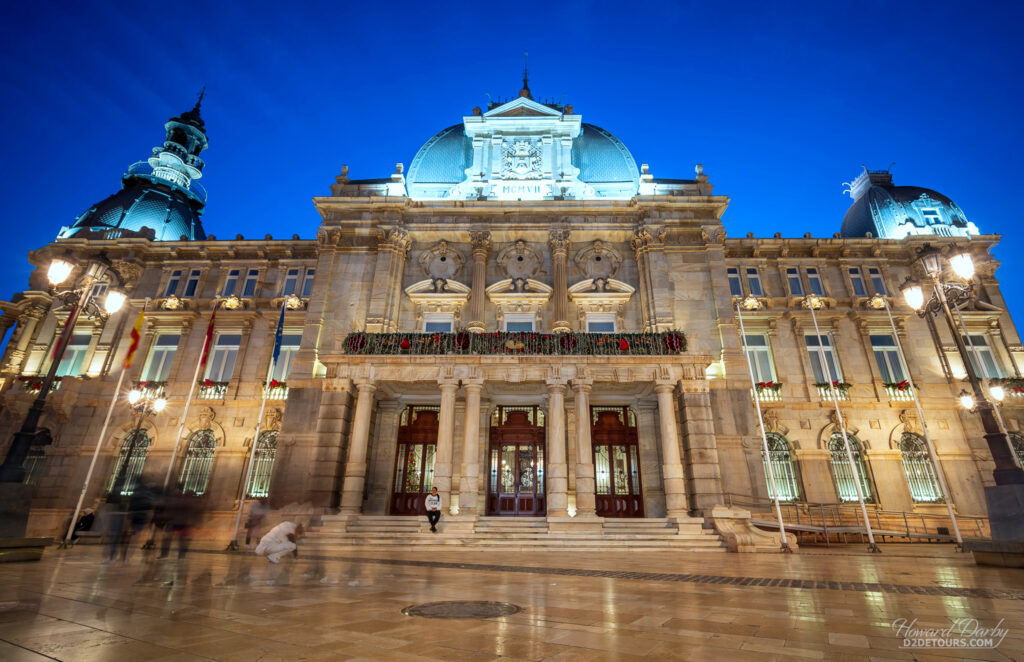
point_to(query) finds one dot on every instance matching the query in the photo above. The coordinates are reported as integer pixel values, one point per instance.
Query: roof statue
(160, 197)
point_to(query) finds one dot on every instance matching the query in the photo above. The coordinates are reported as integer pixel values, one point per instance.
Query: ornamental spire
(525, 92)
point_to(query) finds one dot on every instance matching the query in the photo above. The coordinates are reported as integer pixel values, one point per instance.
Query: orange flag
(136, 337)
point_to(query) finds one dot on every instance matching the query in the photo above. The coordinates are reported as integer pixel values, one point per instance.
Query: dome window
(931, 216)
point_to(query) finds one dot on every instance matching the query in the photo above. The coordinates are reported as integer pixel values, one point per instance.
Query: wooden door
(616, 462)
(516, 480)
(414, 459)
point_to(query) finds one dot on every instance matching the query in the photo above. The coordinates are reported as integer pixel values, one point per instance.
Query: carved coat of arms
(521, 159)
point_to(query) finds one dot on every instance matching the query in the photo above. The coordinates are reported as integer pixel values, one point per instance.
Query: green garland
(515, 343)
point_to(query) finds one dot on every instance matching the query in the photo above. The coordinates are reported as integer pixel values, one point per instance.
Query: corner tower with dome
(534, 325)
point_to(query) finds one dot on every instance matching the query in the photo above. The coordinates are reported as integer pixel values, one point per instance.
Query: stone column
(470, 475)
(648, 244)
(28, 321)
(355, 466)
(445, 441)
(556, 470)
(392, 249)
(559, 242)
(481, 242)
(585, 485)
(701, 447)
(671, 464)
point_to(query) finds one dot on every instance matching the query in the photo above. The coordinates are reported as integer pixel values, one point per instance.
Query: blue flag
(277, 336)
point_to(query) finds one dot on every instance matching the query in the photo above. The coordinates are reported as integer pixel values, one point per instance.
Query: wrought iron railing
(512, 343)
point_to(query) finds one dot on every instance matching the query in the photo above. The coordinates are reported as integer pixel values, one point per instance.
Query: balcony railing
(767, 394)
(212, 390)
(278, 391)
(34, 384)
(151, 390)
(825, 393)
(899, 393)
(512, 343)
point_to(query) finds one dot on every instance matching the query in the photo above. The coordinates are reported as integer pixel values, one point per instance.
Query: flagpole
(764, 434)
(99, 444)
(233, 544)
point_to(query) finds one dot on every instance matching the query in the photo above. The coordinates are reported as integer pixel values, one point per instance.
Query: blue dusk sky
(781, 102)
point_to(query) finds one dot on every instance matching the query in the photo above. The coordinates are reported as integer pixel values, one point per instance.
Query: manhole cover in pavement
(462, 609)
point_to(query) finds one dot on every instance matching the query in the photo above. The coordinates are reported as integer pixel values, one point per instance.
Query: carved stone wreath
(598, 261)
(441, 261)
(520, 260)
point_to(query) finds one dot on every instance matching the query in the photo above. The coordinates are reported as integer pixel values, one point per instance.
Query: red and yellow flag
(209, 339)
(136, 336)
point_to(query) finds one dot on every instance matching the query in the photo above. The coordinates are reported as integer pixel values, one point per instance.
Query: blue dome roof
(887, 211)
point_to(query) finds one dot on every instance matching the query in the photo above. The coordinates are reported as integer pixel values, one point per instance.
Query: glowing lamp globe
(59, 271)
(113, 301)
(134, 395)
(913, 294)
(966, 400)
(963, 265)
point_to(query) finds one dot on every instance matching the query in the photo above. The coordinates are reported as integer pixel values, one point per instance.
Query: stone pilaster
(445, 442)
(671, 463)
(585, 483)
(705, 478)
(355, 466)
(28, 322)
(556, 470)
(648, 244)
(481, 242)
(392, 250)
(469, 481)
(558, 240)
(332, 418)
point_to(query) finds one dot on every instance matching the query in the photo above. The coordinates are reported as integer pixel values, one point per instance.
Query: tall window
(192, 284)
(982, 358)
(735, 288)
(1017, 439)
(74, 355)
(251, 278)
(135, 462)
(158, 365)
(781, 459)
(291, 281)
(289, 347)
(600, 322)
(924, 485)
(877, 282)
(222, 359)
(760, 354)
(195, 470)
(172, 283)
(754, 282)
(857, 281)
(307, 283)
(438, 322)
(519, 322)
(231, 282)
(887, 356)
(816, 346)
(843, 474)
(796, 288)
(262, 465)
(814, 282)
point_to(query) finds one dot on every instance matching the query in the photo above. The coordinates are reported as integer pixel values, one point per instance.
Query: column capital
(475, 383)
(367, 386)
(480, 240)
(447, 383)
(555, 385)
(558, 240)
(582, 385)
(665, 386)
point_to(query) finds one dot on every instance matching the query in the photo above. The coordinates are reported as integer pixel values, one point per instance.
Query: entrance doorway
(414, 459)
(616, 462)
(516, 481)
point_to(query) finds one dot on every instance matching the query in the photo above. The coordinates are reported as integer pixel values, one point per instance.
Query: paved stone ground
(836, 604)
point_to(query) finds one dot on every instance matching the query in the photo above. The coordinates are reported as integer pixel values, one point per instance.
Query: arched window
(924, 485)
(1017, 440)
(781, 458)
(262, 464)
(195, 470)
(135, 462)
(843, 474)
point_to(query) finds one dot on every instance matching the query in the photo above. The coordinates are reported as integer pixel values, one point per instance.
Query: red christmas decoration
(623, 345)
(404, 344)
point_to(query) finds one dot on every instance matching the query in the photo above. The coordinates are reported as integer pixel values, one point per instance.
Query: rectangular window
(814, 282)
(857, 280)
(519, 322)
(438, 323)
(158, 365)
(291, 281)
(600, 322)
(172, 283)
(887, 355)
(754, 282)
(760, 354)
(221, 364)
(982, 358)
(307, 284)
(735, 288)
(74, 355)
(230, 283)
(877, 281)
(289, 347)
(99, 289)
(251, 278)
(192, 284)
(931, 217)
(796, 288)
(816, 346)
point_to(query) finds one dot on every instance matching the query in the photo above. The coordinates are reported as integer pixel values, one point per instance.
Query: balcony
(825, 393)
(151, 390)
(901, 392)
(277, 391)
(212, 390)
(517, 343)
(767, 392)
(34, 384)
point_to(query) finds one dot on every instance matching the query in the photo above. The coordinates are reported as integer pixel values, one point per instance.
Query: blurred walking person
(280, 540)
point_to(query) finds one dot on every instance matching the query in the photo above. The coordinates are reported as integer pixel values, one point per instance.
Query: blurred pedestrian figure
(257, 514)
(433, 506)
(84, 523)
(279, 541)
(180, 515)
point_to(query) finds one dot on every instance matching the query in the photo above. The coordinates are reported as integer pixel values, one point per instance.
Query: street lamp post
(1004, 499)
(144, 404)
(15, 496)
